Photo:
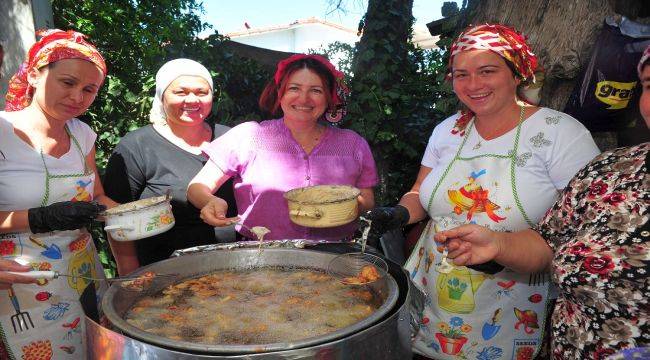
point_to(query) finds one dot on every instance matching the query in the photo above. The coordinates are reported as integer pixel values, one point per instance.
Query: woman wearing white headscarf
(166, 155)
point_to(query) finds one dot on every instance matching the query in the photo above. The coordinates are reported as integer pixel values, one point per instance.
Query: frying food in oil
(368, 274)
(260, 306)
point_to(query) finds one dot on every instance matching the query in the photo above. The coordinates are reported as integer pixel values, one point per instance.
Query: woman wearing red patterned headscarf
(49, 191)
(596, 241)
(297, 149)
(499, 163)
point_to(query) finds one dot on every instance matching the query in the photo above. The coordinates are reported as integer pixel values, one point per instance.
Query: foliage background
(398, 91)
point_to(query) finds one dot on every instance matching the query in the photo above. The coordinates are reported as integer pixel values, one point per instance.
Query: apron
(45, 320)
(470, 314)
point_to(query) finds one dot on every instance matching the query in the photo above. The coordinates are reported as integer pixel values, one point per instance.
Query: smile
(478, 96)
(304, 108)
(190, 109)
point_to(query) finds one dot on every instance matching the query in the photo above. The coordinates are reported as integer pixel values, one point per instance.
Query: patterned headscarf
(644, 58)
(505, 42)
(53, 46)
(169, 72)
(339, 90)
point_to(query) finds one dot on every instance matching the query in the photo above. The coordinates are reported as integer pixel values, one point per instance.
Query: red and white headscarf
(339, 90)
(644, 58)
(53, 46)
(503, 41)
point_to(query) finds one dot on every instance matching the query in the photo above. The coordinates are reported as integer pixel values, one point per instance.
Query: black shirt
(145, 164)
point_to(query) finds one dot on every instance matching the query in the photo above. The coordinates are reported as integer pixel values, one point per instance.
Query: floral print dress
(599, 232)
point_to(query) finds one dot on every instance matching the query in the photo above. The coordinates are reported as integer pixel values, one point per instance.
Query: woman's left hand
(470, 244)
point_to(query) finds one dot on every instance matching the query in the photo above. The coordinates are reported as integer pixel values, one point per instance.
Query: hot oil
(258, 306)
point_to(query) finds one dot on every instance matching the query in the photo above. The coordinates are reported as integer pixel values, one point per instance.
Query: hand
(387, 218)
(7, 279)
(470, 244)
(214, 213)
(65, 215)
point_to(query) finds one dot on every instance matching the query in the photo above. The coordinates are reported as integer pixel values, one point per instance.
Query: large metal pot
(117, 301)
(387, 339)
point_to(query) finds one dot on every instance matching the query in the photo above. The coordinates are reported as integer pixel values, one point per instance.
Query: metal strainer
(357, 268)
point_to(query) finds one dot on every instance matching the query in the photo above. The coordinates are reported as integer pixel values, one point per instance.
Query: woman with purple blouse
(298, 149)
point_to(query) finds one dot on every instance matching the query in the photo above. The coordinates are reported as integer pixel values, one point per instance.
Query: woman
(268, 158)
(500, 164)
(47, 179)
(595, 240)
(165, 156)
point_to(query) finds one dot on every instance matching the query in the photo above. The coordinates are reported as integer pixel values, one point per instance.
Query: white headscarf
(166, 75)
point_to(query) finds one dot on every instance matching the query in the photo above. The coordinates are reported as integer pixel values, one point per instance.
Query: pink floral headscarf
(53, 46)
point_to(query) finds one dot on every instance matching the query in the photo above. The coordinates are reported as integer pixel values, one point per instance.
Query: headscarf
(339, 90)
(166, 75)
(644, 58)
(53, 46)
(507, 43)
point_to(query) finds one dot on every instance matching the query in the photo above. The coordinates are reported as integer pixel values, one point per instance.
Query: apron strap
(49, 176)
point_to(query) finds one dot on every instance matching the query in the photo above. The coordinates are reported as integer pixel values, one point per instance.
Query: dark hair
(645, 63)
(270, 99)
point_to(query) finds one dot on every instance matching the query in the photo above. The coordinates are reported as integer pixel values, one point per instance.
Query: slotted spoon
(50, 275)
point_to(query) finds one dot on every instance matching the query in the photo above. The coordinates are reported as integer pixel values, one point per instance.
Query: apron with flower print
(470, 314)
(45, 320)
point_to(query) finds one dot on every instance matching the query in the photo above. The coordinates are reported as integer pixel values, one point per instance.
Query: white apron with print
(470, 314)
(45, 320)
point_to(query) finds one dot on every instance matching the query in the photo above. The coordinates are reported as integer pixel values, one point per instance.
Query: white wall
(16, 36)
(299, 38)
(314, 36)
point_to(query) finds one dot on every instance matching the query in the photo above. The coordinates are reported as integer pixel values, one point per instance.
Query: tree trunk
(378, 67)
(560, 32)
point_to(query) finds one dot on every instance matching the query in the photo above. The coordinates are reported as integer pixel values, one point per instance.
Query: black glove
(65, 215)
(385, 219)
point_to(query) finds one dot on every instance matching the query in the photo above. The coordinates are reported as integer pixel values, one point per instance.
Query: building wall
(315, 36)
(300, 38)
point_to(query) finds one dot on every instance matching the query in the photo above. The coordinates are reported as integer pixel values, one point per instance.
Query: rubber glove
(65, 215)
(385, 219)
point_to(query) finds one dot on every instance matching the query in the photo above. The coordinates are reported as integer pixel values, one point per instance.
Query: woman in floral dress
(595, 239)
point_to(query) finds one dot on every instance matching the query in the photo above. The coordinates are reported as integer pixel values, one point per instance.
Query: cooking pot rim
(121, 324)
(159, 200)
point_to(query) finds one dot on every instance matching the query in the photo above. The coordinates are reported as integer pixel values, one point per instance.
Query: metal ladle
(50, 275)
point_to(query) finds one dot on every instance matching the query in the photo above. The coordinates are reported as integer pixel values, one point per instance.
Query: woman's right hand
(6, 279)
(214, 213)
(470, 244)
(65, 215)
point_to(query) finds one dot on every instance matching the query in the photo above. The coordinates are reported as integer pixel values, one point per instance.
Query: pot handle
(118, 227)
(317, 214)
